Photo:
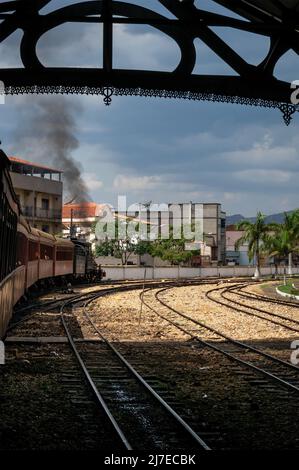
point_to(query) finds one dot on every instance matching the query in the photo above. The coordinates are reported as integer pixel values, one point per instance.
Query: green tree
(291, 225)
(122, 249)
(255, 234)
(172, 249)
(120, 244)
(284, 241)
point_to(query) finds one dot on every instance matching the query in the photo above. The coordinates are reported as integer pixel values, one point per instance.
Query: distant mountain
(234, 219)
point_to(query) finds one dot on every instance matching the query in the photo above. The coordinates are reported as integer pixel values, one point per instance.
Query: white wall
(112, 261)
(175, 272)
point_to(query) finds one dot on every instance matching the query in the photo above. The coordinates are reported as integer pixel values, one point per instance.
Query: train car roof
(23, 222)
(34, 231)
(22, 228)
(46, 236)
(64, 242)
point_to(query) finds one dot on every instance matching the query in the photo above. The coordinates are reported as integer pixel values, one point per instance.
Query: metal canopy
(252, 84)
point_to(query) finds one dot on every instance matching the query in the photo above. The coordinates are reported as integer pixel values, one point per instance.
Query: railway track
(263, 298)
(22, 314)
(138, 414)
(272, 369)
(136, 410)
(219, 296)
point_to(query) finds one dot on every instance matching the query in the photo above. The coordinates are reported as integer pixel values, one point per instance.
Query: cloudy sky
(165, 150)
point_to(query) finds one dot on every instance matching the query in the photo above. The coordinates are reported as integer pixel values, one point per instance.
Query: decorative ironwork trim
(287, 110)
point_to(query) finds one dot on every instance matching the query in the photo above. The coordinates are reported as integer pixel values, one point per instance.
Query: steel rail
(255, 309)
(227, 338)
(91, 383)
(143, 382)
(253, 296)
(120, 285)
(263, 298)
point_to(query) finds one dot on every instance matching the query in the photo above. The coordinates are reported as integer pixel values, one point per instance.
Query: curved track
(268, 316)
(254, 297)
(140, 416)
(105, 288)
(126, 397)
(264, 298)
(275, 369)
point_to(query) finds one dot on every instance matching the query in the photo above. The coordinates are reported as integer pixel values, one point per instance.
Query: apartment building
(187, 214)
(39, 189)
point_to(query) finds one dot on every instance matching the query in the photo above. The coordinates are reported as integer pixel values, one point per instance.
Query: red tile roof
(32, 164)
(83, 210)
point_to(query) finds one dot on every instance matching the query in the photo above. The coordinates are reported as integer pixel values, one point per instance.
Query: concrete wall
(176, 272)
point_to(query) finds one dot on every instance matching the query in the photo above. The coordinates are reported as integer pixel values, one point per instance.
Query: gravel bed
(230, 410)
(290, 312)
(215, 396)
(238, 325)
(38, 411)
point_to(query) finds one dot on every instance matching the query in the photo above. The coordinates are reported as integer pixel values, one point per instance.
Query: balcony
(45, 214)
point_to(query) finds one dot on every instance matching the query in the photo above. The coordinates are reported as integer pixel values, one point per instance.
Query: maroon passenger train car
(28, 255)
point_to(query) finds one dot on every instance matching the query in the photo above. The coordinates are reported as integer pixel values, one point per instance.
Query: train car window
(46, 252)
(8, 234)
(21, 249)
(33, 251)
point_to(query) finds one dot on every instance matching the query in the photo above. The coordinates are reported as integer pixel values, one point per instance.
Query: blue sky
(166, 150)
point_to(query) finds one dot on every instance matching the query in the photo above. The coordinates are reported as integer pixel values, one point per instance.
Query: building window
(45, 204)
(214, 253)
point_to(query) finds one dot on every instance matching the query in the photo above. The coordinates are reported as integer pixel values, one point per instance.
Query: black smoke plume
(48, 135)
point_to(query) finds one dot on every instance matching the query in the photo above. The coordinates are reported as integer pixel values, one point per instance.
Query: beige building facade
(39, 189)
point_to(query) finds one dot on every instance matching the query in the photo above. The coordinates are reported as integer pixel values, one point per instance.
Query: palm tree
(255, 233)
(285, 239)
(277, 245)
(291, 225)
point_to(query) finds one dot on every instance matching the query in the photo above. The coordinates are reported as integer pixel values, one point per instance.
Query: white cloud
(263, 176)
(95, 153)
(136, 183)
(146, 49)
(230, 196)
(265, 153)
(91, 181)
